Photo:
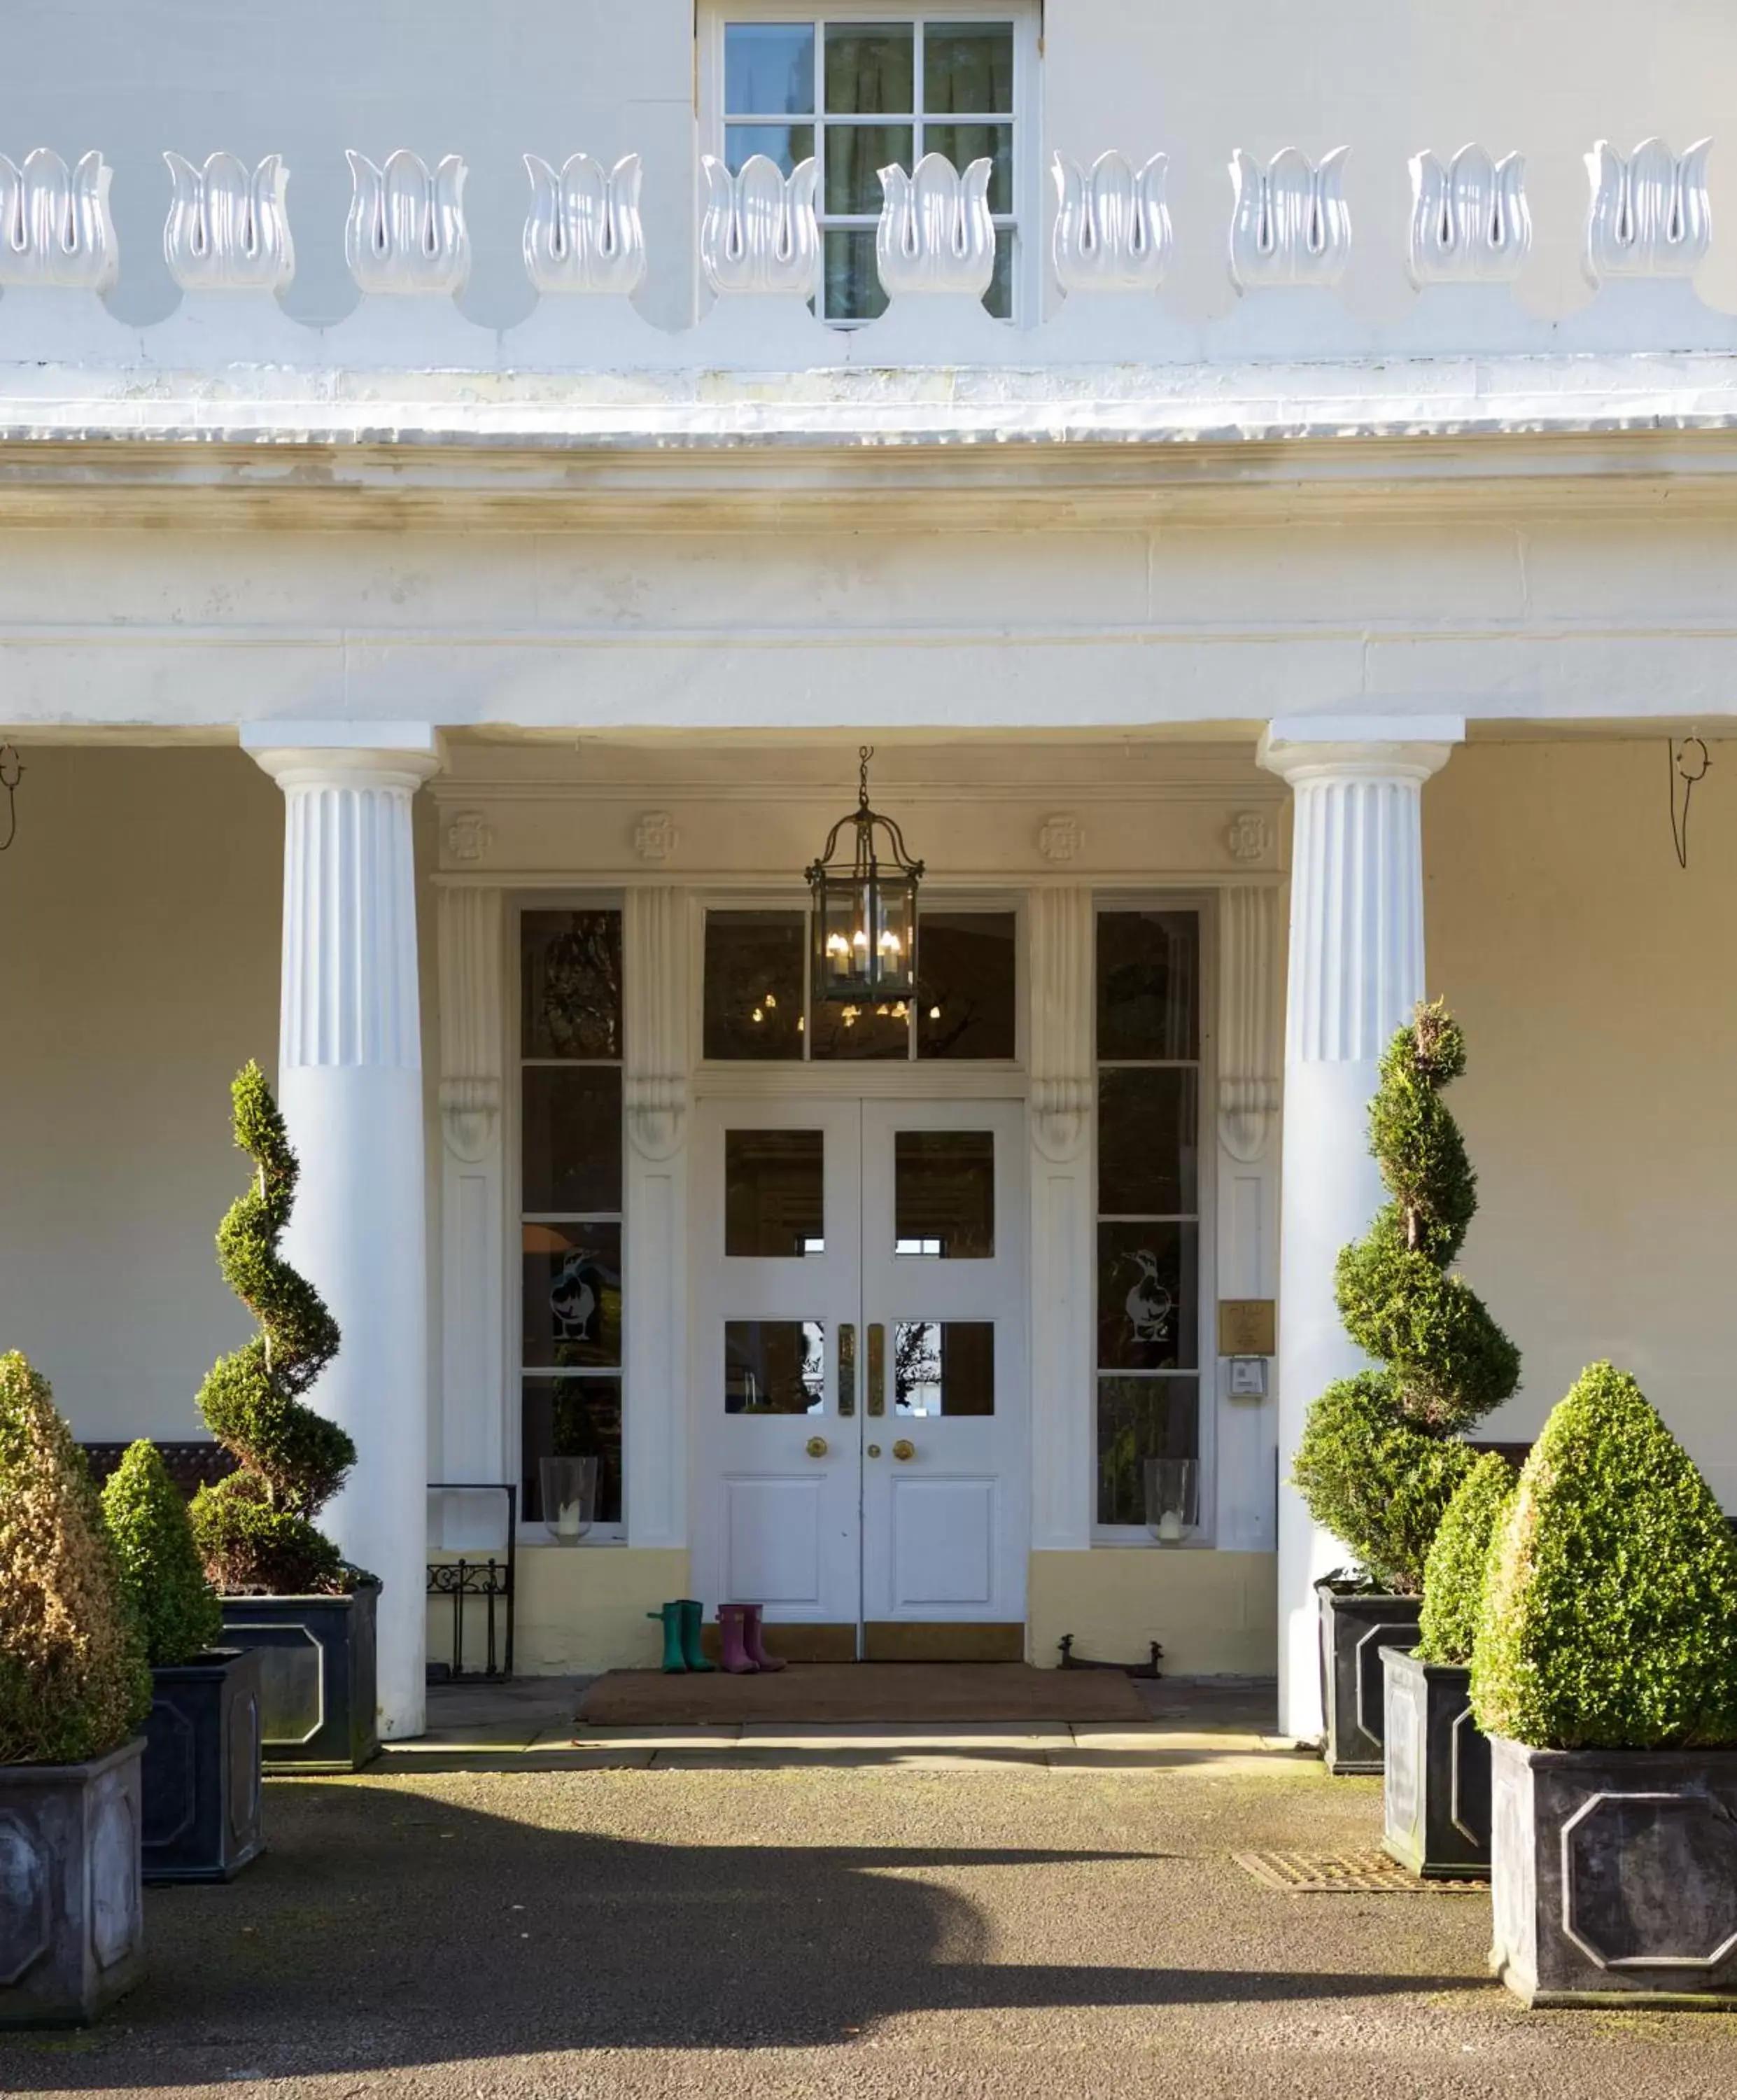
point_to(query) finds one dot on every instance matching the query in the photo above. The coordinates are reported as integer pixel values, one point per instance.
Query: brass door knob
(817, 1447)
(874, 1450)
(904, 1449)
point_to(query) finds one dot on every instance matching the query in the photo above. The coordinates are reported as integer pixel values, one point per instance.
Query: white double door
(859, 1377)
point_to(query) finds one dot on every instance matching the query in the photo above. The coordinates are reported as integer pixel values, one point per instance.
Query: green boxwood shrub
(1379, 1459)
(1453, 1573)
(147, 1519)
(255, 1528)
(73, 1682)
(1609, 1618)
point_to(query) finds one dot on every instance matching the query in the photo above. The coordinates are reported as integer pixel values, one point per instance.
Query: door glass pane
(1148, 1298)
(1148, 1148)
(856, 153)
(572, 1294)
(783, 144)
(969, 66)
(753, 994)
(572, 1139)
(943, 1367)
(848, 1029)
(570, 978)
(571, 1418)
(774, 1366)
(1138, 1419)
(963, 143)
(967, 998)
(870, 67)
(774, 1193)
(768, 69)
(853, 290)
(944, 1194)
(1149, 984)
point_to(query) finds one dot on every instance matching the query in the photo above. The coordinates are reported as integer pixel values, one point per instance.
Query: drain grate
(1344, 1874)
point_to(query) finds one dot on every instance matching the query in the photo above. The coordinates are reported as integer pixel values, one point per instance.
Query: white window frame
(1026, 217)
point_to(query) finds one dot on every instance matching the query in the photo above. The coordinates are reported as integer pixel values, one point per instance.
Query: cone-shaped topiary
(255, 1528)
(1379, 1459)
(73, 1682)
(147, 1514)
(1609, 1619)
(1453, 1573)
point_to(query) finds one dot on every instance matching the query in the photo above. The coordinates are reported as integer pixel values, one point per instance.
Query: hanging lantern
(865, 928)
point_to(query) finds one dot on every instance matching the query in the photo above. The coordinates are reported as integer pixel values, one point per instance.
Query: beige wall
(1216, 1614)
(1595, 981)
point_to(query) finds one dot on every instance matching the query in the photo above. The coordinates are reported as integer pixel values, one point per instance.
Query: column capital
(1306, 748)
(306, 754)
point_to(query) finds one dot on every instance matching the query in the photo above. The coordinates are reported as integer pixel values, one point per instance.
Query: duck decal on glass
(1148, 1306)
(573, 1299)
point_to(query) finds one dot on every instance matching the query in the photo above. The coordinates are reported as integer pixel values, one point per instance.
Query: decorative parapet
(1291, 224)
(758, 232)
(406, 230)
(54, 227)
(1113, 231)
(583, 231)
(228, 230)
(1650, 215)
(1469, 221)
(936, 233)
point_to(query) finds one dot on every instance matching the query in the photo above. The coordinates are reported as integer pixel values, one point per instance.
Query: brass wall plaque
(1248, 1327)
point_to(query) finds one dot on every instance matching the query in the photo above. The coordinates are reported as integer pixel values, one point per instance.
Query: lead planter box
(72, 1913)
(202, 1765)
(1355, 1625)
(1614, 1875)
(1436, 1793)
(316, 1664)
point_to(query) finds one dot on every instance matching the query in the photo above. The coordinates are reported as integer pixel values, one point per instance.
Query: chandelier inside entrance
(865, 915)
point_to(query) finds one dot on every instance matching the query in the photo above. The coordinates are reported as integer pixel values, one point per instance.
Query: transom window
(856, 96)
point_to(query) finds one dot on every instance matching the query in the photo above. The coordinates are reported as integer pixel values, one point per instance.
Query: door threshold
(890, 1641)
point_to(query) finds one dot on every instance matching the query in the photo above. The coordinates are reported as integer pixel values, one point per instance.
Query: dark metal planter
(1437, 1790)
(72, 1910)
(1614, 1876)
(317, 1691)
(202, 1765)
(1355, 1625)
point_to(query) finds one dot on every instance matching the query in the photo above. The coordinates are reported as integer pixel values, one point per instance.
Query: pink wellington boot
(753, 1638)
(732, 1626)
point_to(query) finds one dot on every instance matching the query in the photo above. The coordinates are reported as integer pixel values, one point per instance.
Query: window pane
(572, 1295)
(1138, 1419)
(944, 1194)
(774, 1193)
(783, 144)
(753, 996)
(967, 984)
(963, 143)
(774, 1367)
(1149, 984)
(1148, 1297)
(869, 68)
(1148, 1146)
(943, 1367)
(569, 973)
(846, 1029)
(572, 1137)
(852, 282)
(571, 1419)
(768, 69)
(856, 153)
(969, 66)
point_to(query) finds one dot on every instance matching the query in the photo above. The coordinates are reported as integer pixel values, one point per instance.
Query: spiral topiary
(1380, 1457)
(148, 1520)
(1453, 1573)
(255, 1528)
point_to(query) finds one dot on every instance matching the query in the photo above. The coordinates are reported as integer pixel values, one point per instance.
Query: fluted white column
(349, 1083)
(1356, 972)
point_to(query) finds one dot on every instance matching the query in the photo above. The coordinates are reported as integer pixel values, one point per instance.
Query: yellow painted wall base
(580, 1608)
(1216, 1613)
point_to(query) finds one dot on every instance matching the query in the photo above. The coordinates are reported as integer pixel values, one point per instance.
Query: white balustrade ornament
(583, 231)
(758, 232)
(54, 227)
(936, 233)
(1469, 221)
(406, 229)
(1650, 215)
(1113, 231)
(1291, 224)
(228, 230)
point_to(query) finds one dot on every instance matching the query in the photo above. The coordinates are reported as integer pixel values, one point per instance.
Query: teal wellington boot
(693, 1611)
(674, 1658)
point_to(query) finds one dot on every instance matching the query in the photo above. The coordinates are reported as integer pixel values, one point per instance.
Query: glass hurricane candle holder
(1172, 1499)
(570, 1498)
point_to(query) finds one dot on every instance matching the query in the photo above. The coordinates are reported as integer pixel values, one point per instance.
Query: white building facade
(1278, 559)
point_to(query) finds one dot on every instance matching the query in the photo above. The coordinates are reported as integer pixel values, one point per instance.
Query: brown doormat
(873, 1693)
